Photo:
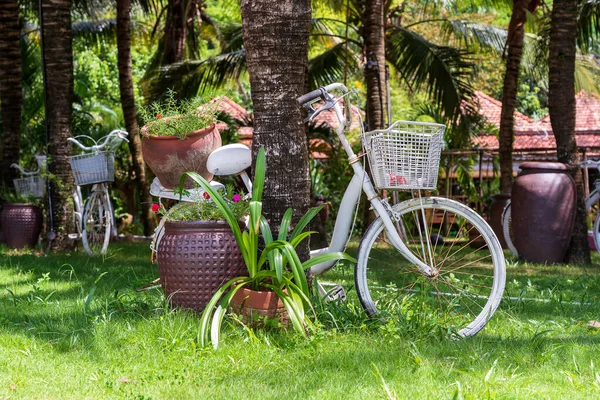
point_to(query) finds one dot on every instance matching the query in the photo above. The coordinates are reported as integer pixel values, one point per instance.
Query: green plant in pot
(272, 264)
(20, 220)
(178, 136)
(197, 251)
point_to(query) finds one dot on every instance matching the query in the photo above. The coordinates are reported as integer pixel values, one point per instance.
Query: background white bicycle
(33, 184)
(95, 218)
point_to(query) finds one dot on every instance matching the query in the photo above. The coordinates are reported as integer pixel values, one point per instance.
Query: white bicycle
(591, 200)
(94, 219)
(33, 184)
(430, 252)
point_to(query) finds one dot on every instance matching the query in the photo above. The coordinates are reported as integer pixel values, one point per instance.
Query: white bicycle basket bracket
(405, 156)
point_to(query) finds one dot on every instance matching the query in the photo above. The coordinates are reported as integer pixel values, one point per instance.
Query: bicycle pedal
(337, 293)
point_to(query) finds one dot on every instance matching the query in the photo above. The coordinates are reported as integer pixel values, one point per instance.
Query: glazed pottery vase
(169, 156)
(543, 211)
(195, 258)
(21, 224)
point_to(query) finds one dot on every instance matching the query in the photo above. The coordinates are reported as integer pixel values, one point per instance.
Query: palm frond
(473, 34)
(329, 67)
(95, 28)
(587, 75)
(444, 72)
(188, 78)
(588, 25)
(233, 38)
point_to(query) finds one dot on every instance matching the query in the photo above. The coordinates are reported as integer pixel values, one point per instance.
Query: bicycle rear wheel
(96, 223)
(453, 239)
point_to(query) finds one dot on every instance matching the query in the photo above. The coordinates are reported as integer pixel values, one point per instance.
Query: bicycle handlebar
(26, 173)
(590, 163)
(311, 97)
(122, 135)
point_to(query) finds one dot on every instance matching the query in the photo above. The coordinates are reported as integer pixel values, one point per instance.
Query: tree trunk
(58, 76)
(374, 48)
(374, 52)
(175, 32)
(276, 42)
(561, 104)
(11, 95)
(516, 33)
(128, 103)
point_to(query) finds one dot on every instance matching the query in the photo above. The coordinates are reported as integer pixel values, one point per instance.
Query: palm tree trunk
(11, 96)
(374, 47)
(516, 33)
(276, 42)
(175, 32)
(561, 104)
(129, 114)
(58, 76)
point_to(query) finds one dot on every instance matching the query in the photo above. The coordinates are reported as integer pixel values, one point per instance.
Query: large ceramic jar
(195, 258)
(21, 224)
(169, 156)
(543, 211)
(499, 202)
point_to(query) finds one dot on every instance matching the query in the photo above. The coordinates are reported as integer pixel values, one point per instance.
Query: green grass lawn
(74, 327)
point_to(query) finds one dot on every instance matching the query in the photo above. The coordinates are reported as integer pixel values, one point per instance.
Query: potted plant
(198, 251)
(178, 136)
(272, 266)
(20, 220)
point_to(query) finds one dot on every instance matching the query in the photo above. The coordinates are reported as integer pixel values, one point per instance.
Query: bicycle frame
(360, 181)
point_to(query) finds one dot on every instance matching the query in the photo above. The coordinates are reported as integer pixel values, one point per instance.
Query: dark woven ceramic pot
(543, 211)
(254, 305)
(21, 224)
(195, 258)
(499, 201)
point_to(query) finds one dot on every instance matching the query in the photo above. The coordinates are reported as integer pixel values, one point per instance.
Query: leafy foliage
(178, 118)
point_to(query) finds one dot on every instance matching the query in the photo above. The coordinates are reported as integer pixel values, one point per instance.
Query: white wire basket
(93, 168)
(33, 186)
(405, 156)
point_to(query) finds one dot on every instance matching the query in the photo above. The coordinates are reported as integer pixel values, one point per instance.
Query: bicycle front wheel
(453, 239)
(96, 224)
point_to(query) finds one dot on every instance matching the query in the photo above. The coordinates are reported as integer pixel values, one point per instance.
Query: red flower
(236, 198)
(206, 195)
(159, 115)
(155, 207)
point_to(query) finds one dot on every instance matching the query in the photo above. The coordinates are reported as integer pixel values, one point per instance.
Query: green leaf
(204, 330)
(298, 239)
(291, 307)
(327, 257)
(259, 176)
(285, 224)
(255, 217)
(305, 220)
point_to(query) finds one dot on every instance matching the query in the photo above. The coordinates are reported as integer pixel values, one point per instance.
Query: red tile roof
(530, 134)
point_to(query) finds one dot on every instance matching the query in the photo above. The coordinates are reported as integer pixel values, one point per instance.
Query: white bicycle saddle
(230, 159)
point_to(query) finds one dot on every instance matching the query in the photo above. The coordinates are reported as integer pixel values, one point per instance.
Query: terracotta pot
(499, 201)
(169, 157)
(21, 224)
(253, 306)
(543, 211)
(195, 258)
